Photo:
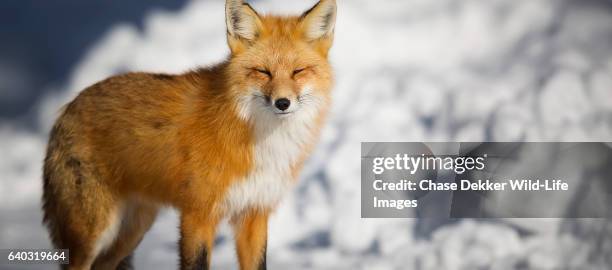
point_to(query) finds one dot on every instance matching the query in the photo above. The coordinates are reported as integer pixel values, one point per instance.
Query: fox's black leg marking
(201, 262)
(126, 263)
(262, 263)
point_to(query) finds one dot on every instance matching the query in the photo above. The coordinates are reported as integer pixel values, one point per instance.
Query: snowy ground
(420, 70)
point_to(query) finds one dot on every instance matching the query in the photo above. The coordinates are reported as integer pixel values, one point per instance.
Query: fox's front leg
(251, 234)
(197, 238)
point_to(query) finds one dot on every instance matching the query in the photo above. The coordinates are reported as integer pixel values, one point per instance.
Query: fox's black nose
(282, 104)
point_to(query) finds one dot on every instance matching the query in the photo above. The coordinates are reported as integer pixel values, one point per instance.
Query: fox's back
(125, 116)
(141, 130)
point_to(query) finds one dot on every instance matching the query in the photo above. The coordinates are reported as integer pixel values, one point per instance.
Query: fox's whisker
(259, 96)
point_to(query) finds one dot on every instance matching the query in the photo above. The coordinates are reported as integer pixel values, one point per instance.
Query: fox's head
(278, 66)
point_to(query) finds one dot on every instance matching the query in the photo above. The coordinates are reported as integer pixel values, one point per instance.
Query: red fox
(216, 143)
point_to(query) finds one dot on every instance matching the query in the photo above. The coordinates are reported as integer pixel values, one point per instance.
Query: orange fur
(134, 142)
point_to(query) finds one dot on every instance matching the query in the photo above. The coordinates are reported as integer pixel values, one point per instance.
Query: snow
(423, 70)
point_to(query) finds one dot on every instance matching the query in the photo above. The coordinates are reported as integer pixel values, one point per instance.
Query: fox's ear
(243, 23)
(319, 21)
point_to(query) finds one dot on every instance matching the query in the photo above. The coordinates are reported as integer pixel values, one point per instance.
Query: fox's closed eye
(263, 71)
(298, 71)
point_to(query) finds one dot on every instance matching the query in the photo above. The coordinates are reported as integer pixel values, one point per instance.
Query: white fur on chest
(280, 143)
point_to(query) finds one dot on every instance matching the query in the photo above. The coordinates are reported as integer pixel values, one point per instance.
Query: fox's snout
(281, 91)
(283, 101)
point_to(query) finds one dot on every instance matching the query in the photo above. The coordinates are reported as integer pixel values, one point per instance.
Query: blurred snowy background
(407, 70)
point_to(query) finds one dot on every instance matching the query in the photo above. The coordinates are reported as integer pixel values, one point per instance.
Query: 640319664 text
(34, 256)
